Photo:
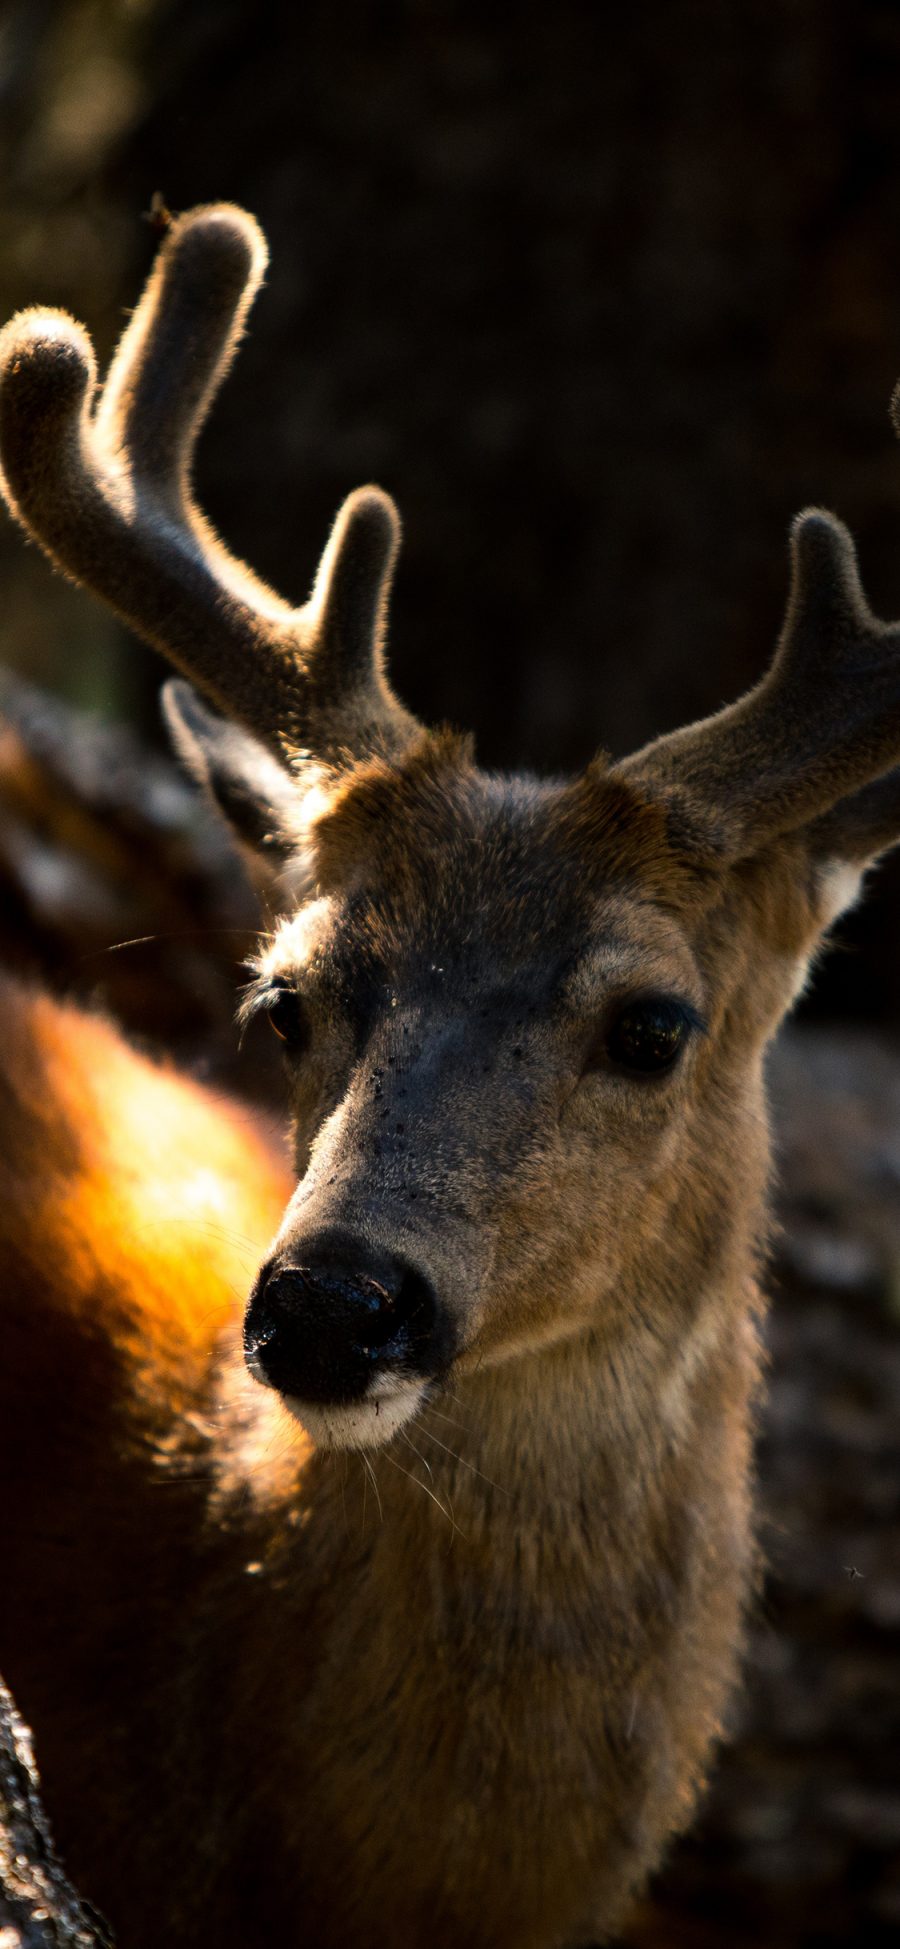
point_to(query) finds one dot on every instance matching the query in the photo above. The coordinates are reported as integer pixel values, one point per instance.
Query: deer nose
(322, 1330)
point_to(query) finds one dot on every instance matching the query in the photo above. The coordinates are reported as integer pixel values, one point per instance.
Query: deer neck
(591, 1426)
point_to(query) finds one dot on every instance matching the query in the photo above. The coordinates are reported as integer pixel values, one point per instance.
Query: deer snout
(343, 1325)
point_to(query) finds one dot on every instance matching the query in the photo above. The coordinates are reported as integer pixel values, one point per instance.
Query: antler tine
(179, 344)
(107, 493)
(823, 721)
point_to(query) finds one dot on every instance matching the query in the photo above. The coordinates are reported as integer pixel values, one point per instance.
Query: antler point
(46, 338)
(222, 233)
(814, 522)
(823, 551)
(47, 373)
(378, 509)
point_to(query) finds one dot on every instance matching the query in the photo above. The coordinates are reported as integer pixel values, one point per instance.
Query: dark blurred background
(603, 296)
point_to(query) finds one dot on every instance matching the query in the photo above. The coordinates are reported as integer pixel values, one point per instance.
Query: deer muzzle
(340, 1324)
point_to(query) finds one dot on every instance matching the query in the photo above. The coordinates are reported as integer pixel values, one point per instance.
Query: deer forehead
(491, 886)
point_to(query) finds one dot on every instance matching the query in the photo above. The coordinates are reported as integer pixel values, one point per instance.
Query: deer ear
(256, 796)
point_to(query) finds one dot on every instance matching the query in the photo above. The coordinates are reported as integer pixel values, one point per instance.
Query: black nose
(321, 1330)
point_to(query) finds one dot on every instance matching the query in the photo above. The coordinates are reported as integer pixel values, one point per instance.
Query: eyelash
(284, 1011)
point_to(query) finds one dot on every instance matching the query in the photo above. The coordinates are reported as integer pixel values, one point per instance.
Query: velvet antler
(105, 488)
(823, 722)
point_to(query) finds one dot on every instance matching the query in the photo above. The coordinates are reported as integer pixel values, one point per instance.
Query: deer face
(489, 1033)
(522, 1022)
(510, 1019)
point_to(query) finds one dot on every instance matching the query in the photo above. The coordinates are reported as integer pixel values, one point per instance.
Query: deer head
(522, 1020)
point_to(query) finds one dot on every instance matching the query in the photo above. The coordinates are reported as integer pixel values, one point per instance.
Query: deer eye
(287, 1016)
(646, 1037)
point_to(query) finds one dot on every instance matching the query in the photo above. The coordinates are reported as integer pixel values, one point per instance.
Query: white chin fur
(367, 1424)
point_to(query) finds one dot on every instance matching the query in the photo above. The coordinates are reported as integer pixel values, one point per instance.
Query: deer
(401, 1601)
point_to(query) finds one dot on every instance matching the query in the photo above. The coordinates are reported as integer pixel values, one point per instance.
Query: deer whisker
(428, 1492)
(431, 1436)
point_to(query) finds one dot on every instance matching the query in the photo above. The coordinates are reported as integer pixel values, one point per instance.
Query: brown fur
(275, 1699)
(461, 1686)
